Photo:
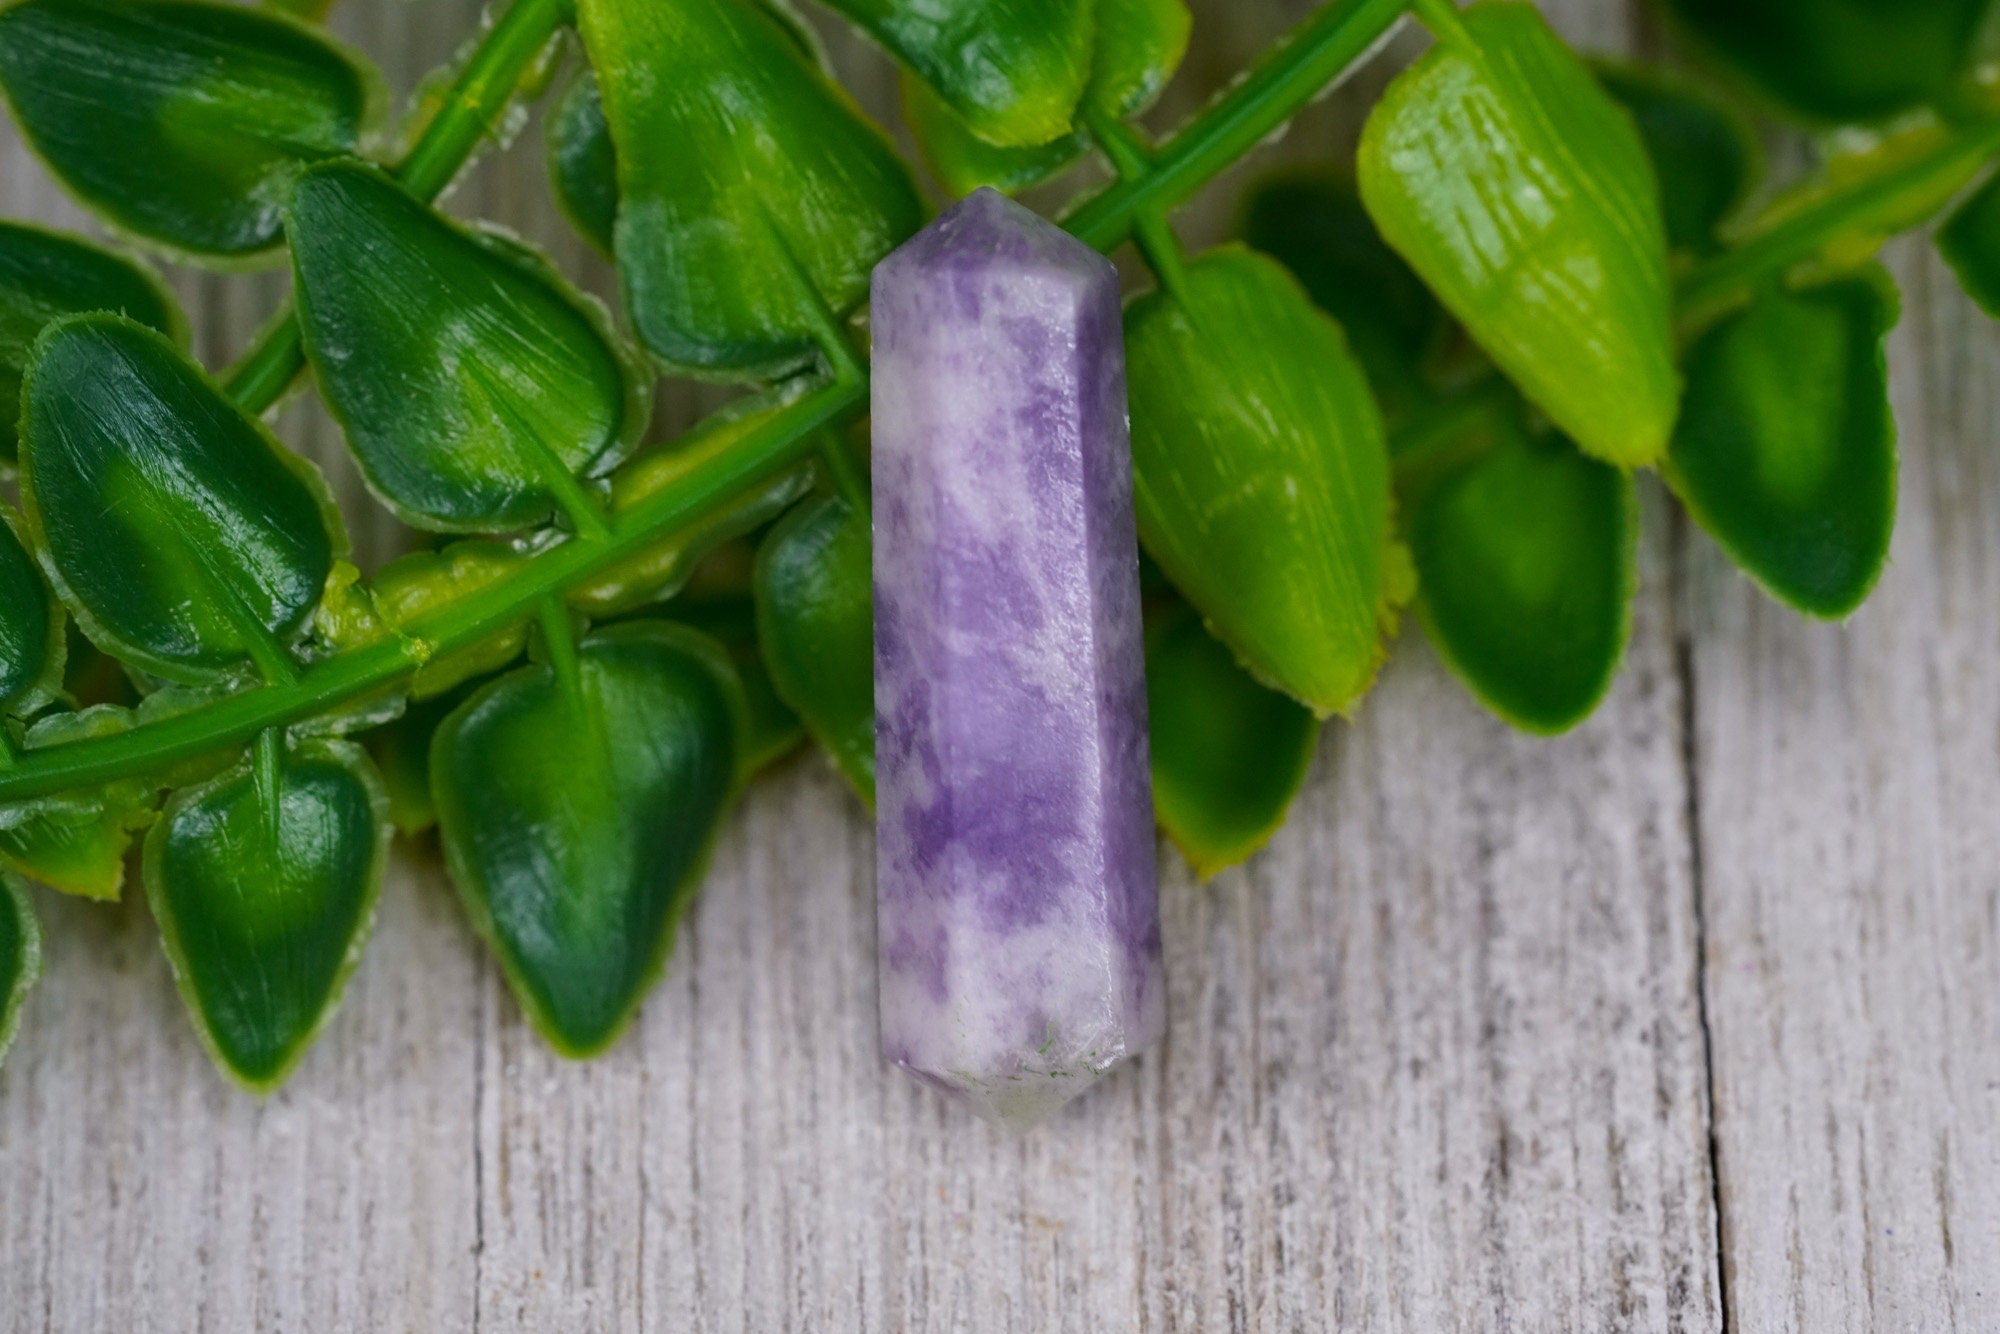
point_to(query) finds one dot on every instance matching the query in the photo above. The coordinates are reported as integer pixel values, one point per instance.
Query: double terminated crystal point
(1018, 900)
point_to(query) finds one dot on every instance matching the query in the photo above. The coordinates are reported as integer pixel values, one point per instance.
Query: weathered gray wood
(1847, 789)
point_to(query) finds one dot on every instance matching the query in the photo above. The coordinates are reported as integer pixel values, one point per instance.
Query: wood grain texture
(1438, 1060)
(1847, 792)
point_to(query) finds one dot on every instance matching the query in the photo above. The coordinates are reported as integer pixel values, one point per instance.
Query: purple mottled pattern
(1018, 899)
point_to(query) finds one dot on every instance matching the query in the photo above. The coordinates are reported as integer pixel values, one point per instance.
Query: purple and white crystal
(1018, 901)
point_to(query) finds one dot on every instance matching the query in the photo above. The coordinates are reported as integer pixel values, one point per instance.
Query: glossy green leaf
(46, 274)
(474, 385)
(31, 632)
(180, 120)
(1012, 70)
(84, 856)
(183, 537)
(583, 165)
(1786, 451)
(1229, 753)
(962, 162)
(1512, 182)
(815, 620)
(1702, 151)
(264, 881)
(1526, 555)
(1970, 243)
(1138, 45)
(754, 196)
(1840, 60)
(1261, 474)
(20, 956)
(1313, 223)
(576, 812)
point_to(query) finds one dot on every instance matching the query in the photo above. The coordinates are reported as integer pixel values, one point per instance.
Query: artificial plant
(1424, 379)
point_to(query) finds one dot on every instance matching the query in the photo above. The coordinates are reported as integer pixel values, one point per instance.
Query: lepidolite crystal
(1018, 901)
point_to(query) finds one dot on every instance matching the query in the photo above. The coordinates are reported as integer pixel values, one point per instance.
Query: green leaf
(754, 198)
(1786, 451)
(46, 274)
(474, 385)
(1526, 555)
(963, 162)
(179, 120)
(1970, 243)
(1139, 44)
(264, 882)
(1840, 60)
(84, 856)
(183, 537)
(1313, 223)
(1012, 70)
(1521, 193)
(31, 630)
(1702, 151)
(1229, 754)
(576, 813)
(1262, 476)
(20, 956)
(583, 166)
(815, 619)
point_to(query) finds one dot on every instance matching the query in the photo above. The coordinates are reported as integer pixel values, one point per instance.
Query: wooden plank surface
(1849, 811)
(1439, 1060)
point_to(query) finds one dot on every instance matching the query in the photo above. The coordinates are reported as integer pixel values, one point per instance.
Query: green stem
(477, 98)
(1442, 18)
(267, 370)
(1151, 232)
(271, 661)
(1734, 275)
(1319, 52)
(1120, 142)
(1161, 250)
(559, 641)
(719, 470)
(270, 779)
(848, 482)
